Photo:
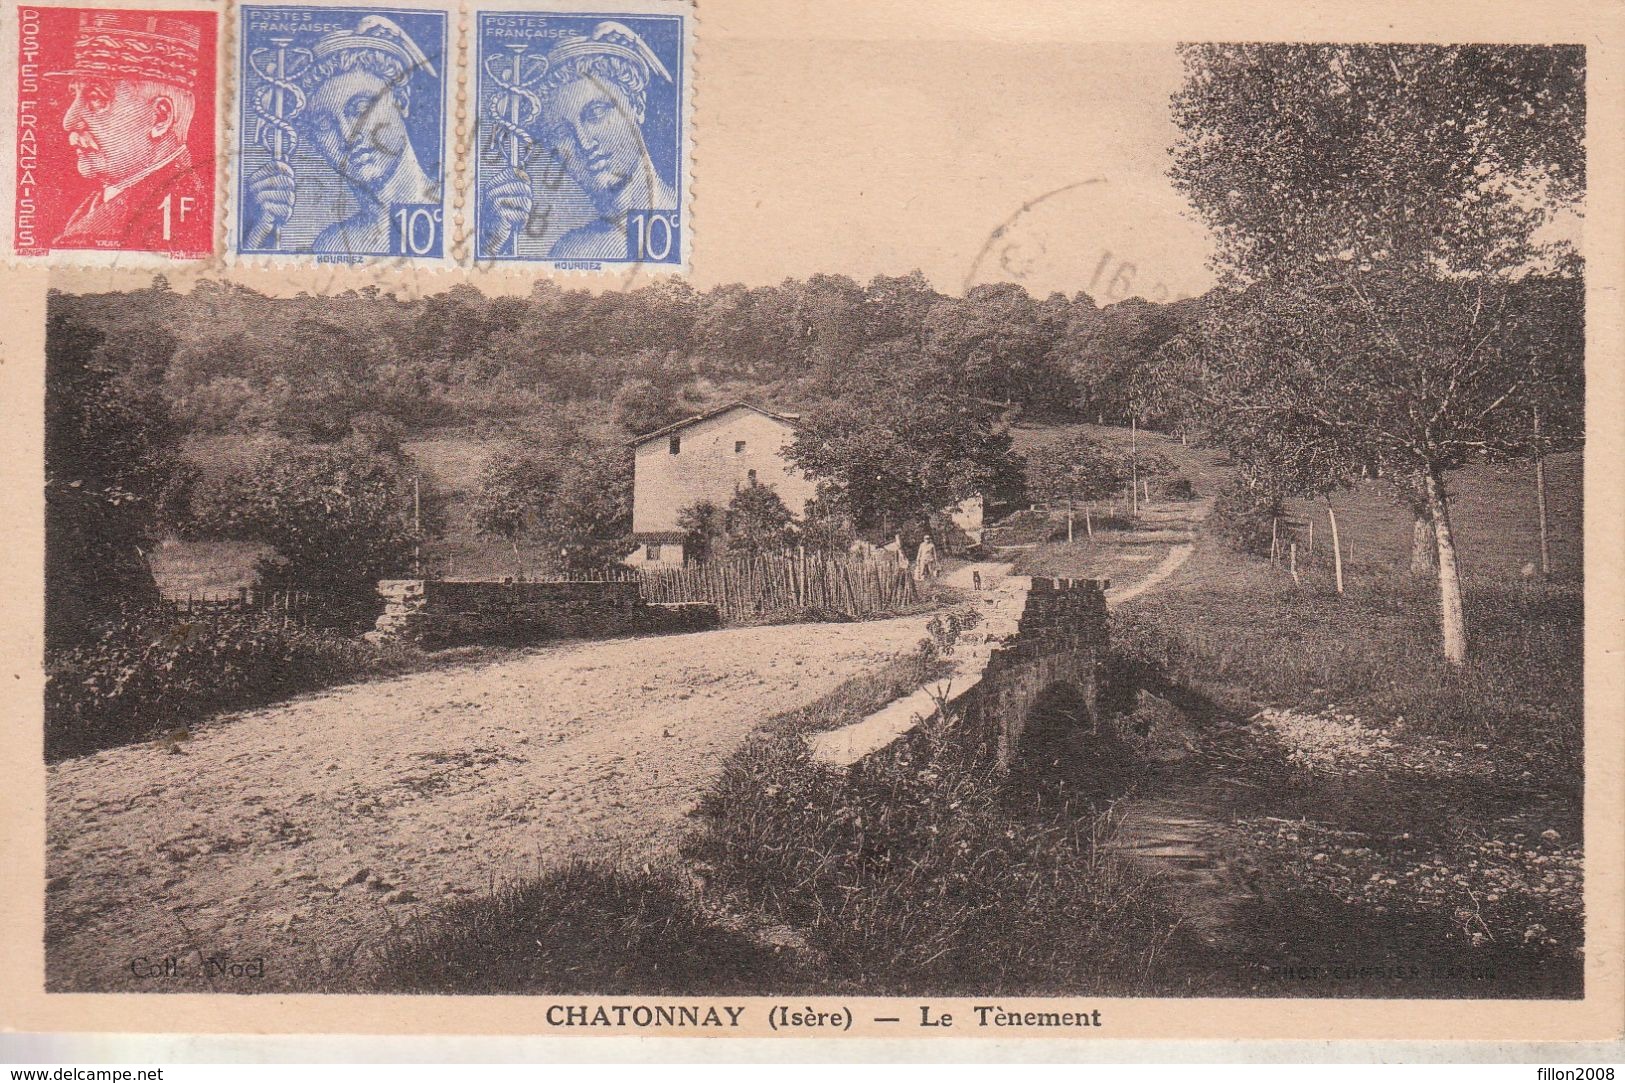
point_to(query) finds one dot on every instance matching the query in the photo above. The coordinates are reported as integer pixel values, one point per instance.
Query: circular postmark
(1108, 239)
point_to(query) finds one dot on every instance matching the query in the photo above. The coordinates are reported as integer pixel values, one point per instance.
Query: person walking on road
(925, 560)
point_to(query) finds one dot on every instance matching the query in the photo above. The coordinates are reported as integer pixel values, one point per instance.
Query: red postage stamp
(115, 131)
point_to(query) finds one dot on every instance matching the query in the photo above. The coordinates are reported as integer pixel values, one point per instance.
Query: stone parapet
(1035, 633)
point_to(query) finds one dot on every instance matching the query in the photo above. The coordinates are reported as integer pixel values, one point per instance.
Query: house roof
(660, 537)
(788, 419)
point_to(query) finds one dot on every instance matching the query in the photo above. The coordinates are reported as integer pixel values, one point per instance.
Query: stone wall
(441, 613)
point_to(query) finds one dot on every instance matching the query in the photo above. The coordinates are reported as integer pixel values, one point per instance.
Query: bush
(1177, 487)
(911, 873)
(943, 632)
(150, 672)
(337, 516)
(1244, 516)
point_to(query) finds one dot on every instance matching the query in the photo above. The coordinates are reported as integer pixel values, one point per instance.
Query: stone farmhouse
(708, 457)
(712, 456)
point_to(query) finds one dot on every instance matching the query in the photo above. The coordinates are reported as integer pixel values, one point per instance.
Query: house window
(651, 552)
(751, 476)
(676, 444)
(739, 445)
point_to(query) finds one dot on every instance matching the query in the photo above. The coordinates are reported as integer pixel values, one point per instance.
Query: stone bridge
(1033, 658)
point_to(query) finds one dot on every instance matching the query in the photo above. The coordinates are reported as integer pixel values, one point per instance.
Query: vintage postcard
(1093, 525)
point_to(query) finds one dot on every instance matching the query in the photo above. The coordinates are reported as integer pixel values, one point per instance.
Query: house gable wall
(708, 468)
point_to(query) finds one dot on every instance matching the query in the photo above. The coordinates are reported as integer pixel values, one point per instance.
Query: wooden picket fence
(293, 606)
(768, 586)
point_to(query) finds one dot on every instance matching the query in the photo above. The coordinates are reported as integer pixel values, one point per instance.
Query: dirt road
(297, 832)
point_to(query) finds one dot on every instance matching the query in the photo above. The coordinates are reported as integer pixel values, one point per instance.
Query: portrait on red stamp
(115, 131)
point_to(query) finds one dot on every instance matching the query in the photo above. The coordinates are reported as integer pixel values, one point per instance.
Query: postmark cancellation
(580, 138)
(341, 135)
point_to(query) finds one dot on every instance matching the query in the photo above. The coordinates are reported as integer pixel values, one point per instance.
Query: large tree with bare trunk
(1377, 212)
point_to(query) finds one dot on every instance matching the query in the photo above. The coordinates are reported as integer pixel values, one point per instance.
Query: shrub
(149, 672)
(337, 516)
(911, 873)
(1243, 517)
(944, 629)
(1177, 487)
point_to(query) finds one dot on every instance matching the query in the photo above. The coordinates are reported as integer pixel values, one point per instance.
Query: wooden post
(1069, 519)
(1337, 549)
(1312, 530)
(1275, 537)
(1134, 465)
(1088, 523)
(1294, 562)
(1540, 500)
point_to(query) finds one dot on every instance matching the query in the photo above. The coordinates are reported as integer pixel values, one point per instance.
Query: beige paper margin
(771, 24)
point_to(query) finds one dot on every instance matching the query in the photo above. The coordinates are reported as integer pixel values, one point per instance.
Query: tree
(995, 338)
(337, 515)
(900, 452)
(515, 486)
(591, 516)
(1078, 469)
(758, 521)
(895, 308)
(643, 406)
(1373, 208)
(1109, 353)
(111, 451)
(826, 522)
(704, 524)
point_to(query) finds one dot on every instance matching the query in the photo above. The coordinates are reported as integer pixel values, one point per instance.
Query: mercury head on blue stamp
(341, 135)
(580, 137)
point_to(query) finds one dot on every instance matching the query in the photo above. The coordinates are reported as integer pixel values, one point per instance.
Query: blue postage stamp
(581, 154)
(341, 133)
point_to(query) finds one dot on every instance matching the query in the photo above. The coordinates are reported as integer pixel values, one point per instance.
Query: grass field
(1493, 510)
(1493, 505)
(204, 567)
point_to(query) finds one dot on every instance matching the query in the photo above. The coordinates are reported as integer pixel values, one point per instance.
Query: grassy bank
(1410, 828)
(1247, 635)
(150, 674)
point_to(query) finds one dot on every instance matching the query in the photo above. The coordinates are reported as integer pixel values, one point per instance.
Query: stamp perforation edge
(145, 260)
